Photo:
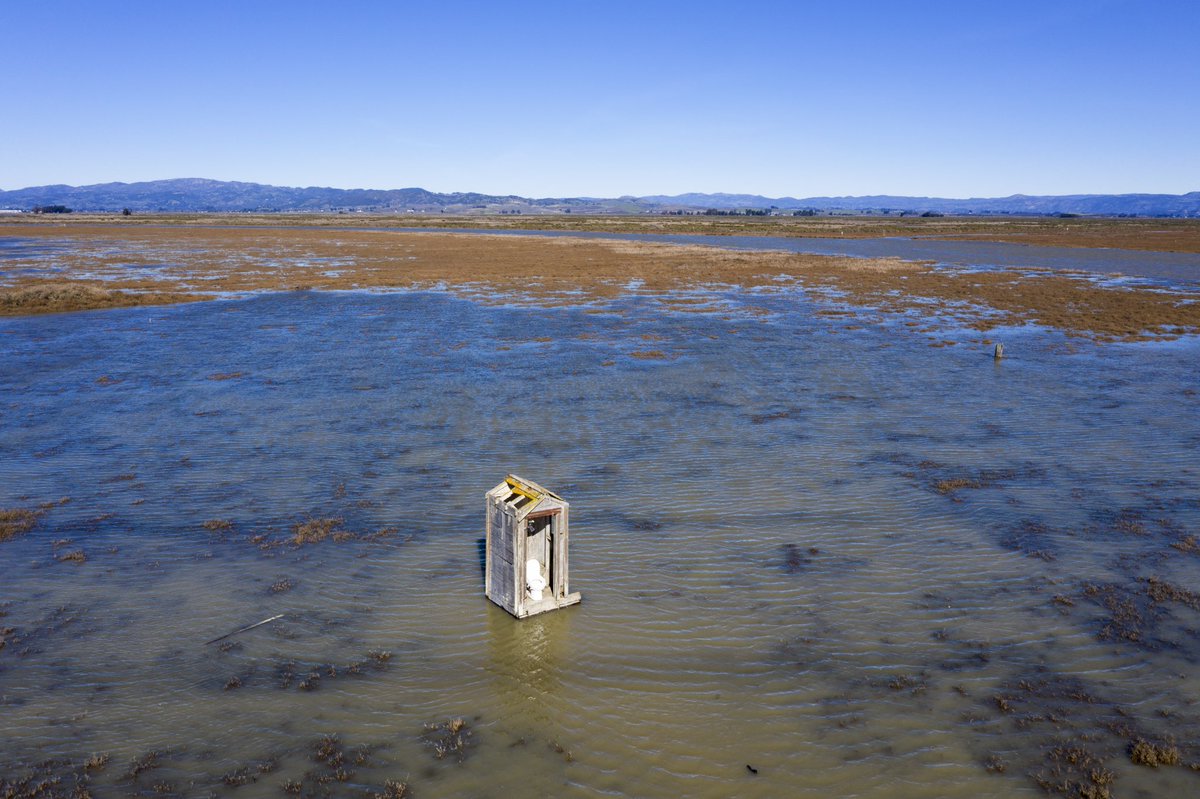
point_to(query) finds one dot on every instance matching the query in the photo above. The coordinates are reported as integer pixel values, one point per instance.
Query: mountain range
(202, 195)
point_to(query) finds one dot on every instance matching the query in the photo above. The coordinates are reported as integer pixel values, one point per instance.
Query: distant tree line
(51, 209)
(772, 211)
(736, 212)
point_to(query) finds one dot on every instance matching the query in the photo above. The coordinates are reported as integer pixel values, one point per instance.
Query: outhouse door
(503, 582)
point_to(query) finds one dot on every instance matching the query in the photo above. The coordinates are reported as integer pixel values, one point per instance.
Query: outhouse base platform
(546, 603)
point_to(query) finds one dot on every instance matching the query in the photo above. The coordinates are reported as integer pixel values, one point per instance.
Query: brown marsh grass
(563, 271)
(17, 521)
(61, 297)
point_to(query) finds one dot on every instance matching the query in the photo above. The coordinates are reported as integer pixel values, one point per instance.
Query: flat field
(1160, 235)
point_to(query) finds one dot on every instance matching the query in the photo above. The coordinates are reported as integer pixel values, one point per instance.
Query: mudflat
(101, 265)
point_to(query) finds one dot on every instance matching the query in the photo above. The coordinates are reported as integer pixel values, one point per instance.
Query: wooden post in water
(999, 352)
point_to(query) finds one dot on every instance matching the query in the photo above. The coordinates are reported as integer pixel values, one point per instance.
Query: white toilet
(534, 581)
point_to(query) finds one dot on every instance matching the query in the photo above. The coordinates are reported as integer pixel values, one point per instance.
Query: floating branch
(244, 629)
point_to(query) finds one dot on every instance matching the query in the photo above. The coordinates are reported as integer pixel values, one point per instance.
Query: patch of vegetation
(334, 764)
(951, 484)
(1189, 544)
(17, 521)
(63, 297)
(995, 765)
(393, 789)
(1161, 591)
(1135, 614)
(1076, 773)
(313, 531)
(1146, 753)
(51, 779)
(1129, 618)
(146, 762)
(96, 762)
(912, 683)
(449, 739)
(74, 556)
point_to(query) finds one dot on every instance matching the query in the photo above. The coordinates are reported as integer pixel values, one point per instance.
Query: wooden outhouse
(526, 563)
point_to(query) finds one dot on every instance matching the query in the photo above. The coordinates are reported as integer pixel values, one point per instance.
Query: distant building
(11, 211)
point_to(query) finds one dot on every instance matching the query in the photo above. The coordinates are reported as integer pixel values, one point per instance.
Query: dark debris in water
(143, 763)
(282, 585)
(911, 684)
(794, 559)
(330, 769)
(25, 641)
(1034, 539)
(798, 559)
(51, 779)
(775, 416)
(310, 677)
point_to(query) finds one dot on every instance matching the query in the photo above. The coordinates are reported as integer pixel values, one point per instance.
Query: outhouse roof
(524, 494)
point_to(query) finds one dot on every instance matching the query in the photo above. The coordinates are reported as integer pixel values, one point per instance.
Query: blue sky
(602, 99)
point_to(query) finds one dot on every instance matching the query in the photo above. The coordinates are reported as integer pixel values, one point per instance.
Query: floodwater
(818, 556)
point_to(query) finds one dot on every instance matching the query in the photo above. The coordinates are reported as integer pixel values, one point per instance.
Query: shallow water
(779, 570)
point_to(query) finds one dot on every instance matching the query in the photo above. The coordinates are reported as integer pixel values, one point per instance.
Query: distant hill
(1085, 204)
(197, 194)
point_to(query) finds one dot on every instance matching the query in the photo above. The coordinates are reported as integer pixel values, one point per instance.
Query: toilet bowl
(534, 581)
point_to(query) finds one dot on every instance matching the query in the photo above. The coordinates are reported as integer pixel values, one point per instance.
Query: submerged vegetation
(452, 738)
(313, 531)
(17, 521)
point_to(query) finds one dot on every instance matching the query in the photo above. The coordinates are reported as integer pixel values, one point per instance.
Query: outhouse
(526, 562)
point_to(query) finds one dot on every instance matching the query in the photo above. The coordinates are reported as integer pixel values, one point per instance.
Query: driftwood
(243, 629)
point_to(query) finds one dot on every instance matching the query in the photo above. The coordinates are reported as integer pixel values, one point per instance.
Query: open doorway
(541, 541)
